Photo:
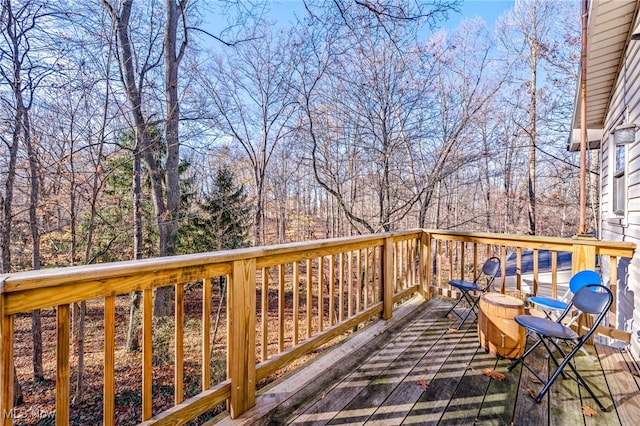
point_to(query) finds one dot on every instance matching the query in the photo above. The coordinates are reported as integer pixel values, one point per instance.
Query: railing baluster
(407, 264)
(309, 298)
(519, 268)
(415, 263)
(387, 285)
(341, 286)
(503, 269)
(296, 300)
(374, 275)
(206, 333)
(439, 263)
(613, 286)
(554, 274)
(350, 284)
(109, 386)
(264, 315)
(62, 366)
(366, 278)
(462, 259)
(147, 353)
(535, 271)
(281, 308)
(401, 278)
(450, 255)
(320, 294)
(332, 291)
(358, 281)
(178, 392)
(397, 274)
(425, 264)
(475, 260)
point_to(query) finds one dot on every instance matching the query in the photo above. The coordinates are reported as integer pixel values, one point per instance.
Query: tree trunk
(223, 292)
(80, 345)
(168, 215)
(133, 332)
(16, 82)
(532, 132)
(36, 327)
(165, 217)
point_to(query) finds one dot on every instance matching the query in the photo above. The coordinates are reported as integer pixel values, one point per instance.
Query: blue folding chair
(593, 299)
(488, 272)
(554, 307)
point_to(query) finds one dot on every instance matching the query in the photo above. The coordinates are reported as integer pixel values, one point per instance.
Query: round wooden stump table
(498, 332)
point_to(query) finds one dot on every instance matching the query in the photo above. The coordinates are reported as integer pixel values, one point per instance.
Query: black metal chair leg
(524, 355)
(471, 301)
(453, 307)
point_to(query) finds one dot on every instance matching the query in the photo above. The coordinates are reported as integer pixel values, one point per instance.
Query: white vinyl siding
(620, 195)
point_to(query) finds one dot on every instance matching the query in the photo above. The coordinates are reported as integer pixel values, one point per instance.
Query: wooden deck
(415, 370)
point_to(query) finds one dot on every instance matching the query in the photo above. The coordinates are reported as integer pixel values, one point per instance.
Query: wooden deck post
(388, 285)
(425, 265)
(584, 257)
(242, 336)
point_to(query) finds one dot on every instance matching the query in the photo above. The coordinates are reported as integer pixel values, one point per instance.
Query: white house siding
(626, 227)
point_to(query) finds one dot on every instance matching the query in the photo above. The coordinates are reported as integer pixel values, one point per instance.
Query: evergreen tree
(223, 220)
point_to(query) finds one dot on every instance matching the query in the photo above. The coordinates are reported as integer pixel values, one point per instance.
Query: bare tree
(525, 32)
(165, 192)
(23, 71)
(252, 97)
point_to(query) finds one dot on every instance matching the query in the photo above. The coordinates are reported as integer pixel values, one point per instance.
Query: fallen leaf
(470, 367)
(324, 395)
(532, 393)
(450, 316)
(423, 384)
(494, 374)
(536, 381)
(589, 412)
(453, 330)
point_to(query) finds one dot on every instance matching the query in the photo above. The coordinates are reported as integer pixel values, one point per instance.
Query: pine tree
(224, 219)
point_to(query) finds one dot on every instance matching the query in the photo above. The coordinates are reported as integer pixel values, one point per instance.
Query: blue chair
(593, 299)
(488, 272)
(554, 307)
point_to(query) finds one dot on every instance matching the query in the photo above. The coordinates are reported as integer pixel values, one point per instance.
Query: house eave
(609, 29)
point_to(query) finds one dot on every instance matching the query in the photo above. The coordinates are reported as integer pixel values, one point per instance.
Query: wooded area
(352, 120)
(136, 129)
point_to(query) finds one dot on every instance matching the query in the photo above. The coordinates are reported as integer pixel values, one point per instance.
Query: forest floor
(39, 396)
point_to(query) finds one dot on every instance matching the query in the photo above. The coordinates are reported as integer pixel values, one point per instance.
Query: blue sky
(284, 11)
(489, 10)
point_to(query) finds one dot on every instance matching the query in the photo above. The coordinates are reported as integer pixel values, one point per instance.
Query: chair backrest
(490, 269)
(583, 278)
(593, 299)
(491, 266)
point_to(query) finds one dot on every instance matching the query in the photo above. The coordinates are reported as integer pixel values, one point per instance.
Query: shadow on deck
(414, 370)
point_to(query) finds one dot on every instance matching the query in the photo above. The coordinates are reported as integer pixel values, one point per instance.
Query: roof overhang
(608, 33)
(594, 137)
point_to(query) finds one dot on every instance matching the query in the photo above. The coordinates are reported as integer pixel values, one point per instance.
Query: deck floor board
(421, 372)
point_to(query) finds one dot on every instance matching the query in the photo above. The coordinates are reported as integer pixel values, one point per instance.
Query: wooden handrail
(366, 274)
(608, 248)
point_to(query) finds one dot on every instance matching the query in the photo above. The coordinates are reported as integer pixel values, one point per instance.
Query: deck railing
(282, 302)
